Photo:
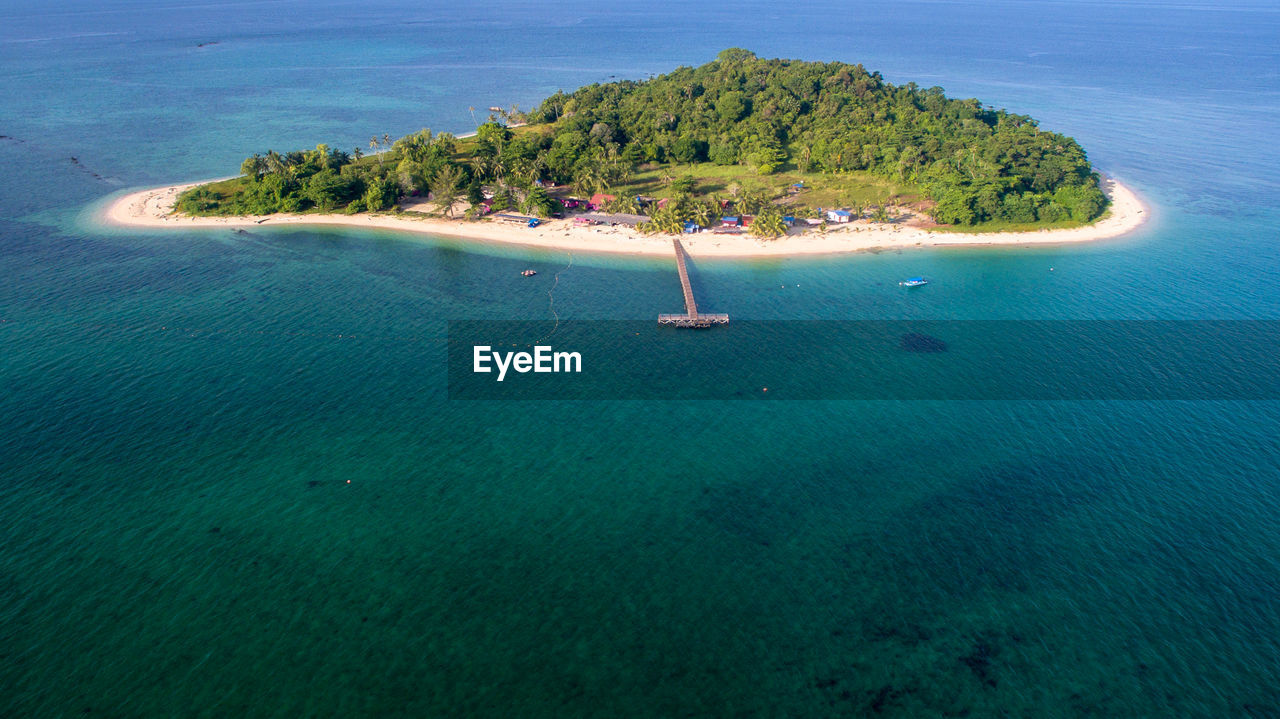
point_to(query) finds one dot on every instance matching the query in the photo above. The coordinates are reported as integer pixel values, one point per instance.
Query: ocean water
(232, 484)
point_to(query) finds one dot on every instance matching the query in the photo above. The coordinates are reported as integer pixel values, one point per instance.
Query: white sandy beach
(154, 208)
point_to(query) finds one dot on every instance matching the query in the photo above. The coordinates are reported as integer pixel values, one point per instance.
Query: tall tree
(253, 167)
(447, 187)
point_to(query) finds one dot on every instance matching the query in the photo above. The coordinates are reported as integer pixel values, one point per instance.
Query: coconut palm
(479, 166)
(768, 224)
(275, 162)
(704, 213)
(253, 167)
(589, 180)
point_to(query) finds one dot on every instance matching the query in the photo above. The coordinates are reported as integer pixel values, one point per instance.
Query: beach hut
(517, 219)
(789, 221)
(839, 216)
(691, 228)
(600, 199)
(730, 222)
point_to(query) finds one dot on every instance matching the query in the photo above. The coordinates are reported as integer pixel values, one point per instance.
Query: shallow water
(233, 484)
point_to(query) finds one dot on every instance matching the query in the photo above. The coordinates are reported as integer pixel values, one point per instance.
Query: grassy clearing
(226, 189)
(820, 190)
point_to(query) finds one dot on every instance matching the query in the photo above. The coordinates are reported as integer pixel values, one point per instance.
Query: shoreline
(152, 207)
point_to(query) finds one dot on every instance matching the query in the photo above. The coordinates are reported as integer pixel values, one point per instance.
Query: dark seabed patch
(918, 342)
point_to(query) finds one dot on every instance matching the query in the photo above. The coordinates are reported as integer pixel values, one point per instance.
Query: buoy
(766, 389)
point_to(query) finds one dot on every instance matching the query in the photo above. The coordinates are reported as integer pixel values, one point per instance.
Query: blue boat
(914, 282)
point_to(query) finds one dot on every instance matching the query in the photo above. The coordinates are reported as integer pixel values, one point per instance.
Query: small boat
(529, 273)
(914, 282)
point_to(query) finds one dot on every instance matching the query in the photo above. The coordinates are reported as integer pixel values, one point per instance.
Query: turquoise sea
(232, 483)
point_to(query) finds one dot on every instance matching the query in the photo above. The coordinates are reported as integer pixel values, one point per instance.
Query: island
(741, 156)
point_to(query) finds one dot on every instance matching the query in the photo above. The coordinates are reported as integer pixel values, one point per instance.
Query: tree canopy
(972, 163)
(976, 163)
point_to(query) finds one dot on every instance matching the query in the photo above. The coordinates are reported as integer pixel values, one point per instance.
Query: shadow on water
(992, 530)
(904, 581)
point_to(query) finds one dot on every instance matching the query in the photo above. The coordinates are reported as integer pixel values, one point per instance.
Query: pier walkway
(691, 317)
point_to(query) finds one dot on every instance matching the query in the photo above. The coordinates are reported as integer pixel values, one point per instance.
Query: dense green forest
(742, 119)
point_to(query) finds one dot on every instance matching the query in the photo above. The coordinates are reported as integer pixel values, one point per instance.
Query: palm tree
(479, 165)
(357, 153)
(666, 221)
(805, 160)
(498, 167)
(768, 224)
(253, 167)
(703, 213)
(589, 181)
(275, 162)
(414, 147)
(373, 145)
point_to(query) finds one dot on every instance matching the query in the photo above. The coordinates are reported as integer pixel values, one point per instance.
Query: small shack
(517, 219)
(599, 200)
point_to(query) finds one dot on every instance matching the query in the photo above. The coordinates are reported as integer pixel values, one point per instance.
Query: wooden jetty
(691, 317)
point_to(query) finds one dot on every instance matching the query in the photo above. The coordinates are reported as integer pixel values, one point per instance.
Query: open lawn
(820, 190)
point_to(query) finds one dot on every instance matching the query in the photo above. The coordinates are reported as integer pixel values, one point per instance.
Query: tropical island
(742, 155)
